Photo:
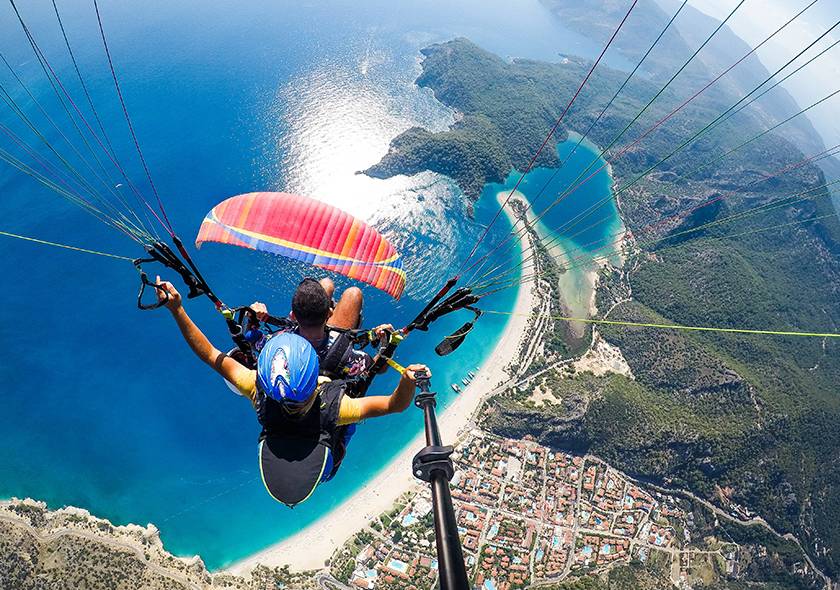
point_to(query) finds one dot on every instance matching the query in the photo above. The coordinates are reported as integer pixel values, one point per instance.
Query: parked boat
(455, 388)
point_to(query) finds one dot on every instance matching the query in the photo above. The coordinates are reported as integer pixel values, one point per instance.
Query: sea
(102, 405)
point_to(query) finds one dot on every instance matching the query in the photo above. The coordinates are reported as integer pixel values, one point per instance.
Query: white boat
(465, 382)
(471, 374)
(455, 388)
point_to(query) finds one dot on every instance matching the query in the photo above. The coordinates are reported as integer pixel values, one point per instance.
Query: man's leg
(348, 310)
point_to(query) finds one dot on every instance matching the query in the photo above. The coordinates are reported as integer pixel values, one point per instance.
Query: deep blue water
(103, 406)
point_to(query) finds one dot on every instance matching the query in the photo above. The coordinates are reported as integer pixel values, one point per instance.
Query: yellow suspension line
(65, 246)
(673, 326)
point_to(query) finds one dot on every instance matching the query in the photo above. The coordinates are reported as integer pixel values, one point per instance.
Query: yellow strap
(677, 326)
(396, 366)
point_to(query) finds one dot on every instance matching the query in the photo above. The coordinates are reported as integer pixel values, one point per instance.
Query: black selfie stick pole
(434, 465)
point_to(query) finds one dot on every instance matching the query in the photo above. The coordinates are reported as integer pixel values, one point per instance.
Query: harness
(337, 355)
(332, 363)
(319, 423)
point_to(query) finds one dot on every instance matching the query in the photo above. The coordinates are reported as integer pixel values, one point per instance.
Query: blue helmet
(287, 369)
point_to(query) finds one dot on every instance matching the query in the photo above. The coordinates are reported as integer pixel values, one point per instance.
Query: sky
(757, 19)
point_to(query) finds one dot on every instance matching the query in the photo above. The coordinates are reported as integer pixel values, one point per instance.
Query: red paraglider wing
(305, 229)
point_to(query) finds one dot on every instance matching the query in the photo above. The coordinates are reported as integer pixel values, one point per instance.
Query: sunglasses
(293, 407)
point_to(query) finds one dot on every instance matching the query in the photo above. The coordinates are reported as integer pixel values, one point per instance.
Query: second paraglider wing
(302, 228)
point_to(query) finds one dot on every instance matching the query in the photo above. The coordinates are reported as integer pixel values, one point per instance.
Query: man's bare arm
(242, 377)
(399, 400)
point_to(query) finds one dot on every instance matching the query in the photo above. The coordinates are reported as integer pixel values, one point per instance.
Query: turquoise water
(103, 406)
(576, 214)
(568, 201)
(398, 566)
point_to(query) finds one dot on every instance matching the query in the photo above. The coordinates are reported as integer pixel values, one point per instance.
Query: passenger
(323, 324)
(306, 420)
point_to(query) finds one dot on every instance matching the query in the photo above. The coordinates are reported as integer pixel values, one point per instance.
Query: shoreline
(323, 537)
(562, 249)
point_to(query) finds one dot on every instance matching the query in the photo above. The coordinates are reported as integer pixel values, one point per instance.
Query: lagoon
(574, 213)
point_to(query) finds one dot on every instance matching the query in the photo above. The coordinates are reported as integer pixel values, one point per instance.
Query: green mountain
(748, 422)
(688, 31)
(503, 118)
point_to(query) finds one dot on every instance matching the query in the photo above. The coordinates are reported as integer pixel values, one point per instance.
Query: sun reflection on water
(338, 127)
(337, 120)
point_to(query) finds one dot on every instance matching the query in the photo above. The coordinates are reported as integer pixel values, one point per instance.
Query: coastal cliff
(70, 548)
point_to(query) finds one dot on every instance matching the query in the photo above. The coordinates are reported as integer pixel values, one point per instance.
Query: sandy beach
(311, 547)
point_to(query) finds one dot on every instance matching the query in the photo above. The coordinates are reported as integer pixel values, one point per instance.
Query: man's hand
(410, 374)
(383, 330)
(224, 365)
(399, 400)
(173, 302)
(260, 310)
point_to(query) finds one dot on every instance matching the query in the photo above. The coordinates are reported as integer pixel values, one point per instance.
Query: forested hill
(502, 121)
(747, 418)
(689, 30)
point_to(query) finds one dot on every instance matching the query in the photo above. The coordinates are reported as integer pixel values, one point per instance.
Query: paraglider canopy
(308, 230)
